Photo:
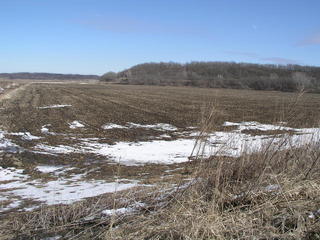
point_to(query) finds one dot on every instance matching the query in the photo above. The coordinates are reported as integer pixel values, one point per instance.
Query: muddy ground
(47, 110)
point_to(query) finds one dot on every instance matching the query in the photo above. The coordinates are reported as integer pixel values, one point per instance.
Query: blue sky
(96, 36)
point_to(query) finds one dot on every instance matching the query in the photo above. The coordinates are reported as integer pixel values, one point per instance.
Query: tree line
(221, 75)
(47, 76)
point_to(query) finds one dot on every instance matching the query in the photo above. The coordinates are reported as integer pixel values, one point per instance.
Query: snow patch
(55, 106)
(11, 174)
(158, 126)
(116, 211)
(60, 149)
(20, 187)
(123, 210)
(45, 130)
(12, 205)
(163, 152)
(258, 126)
(25, 136)
(112, 126)
(6, 145)
(76, 124)
(63, 191)
(233, 144)
(48, 169)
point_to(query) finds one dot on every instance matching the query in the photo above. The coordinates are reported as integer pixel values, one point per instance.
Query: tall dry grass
(271, 194)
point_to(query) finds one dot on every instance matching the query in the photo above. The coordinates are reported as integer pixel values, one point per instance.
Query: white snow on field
(76, 124)
(45, 130)
(164, 136)
(10, 206)
(6, 144)
(3, 198)
(11, 174)
(113, 126)
(233, 143)
(55, 106)
(60, 149)
(17, 187)
(164, 152)
(25, 136)
(116, 211)
(258, 126)
(48, 169)
(1, 90)
(64, 191)
(123, 210)
(158, 126)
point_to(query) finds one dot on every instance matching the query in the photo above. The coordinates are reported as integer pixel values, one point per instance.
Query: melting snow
(62, 149)
(123, 210)
(45, 130)
(232, 144)
(164, 136)
(76, 124)
(64, 191)
(6, 144)
(48, 169)
(165, 152)
(3, 199)
(112, 126)
(25, 135)
(55, 106)
(116, 211)
(10, 206)
(17, 187)
(158, 126)
(11, 174)
(258, 126)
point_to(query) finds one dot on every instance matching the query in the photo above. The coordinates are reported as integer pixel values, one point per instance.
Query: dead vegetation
(268, 195)
(272, 194)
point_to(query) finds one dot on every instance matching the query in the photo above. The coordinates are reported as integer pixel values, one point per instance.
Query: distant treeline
(47, 76)
(222, 75)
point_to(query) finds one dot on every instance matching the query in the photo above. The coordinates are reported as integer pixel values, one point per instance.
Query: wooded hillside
(222, 75)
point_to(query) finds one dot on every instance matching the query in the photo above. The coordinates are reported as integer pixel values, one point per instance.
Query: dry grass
(272, 194)
(268, 195)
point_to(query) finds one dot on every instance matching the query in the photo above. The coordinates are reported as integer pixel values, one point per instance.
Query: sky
(97, 36)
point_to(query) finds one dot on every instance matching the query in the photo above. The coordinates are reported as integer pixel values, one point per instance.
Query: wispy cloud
(274, 60)
(279, 60)
(313, 39)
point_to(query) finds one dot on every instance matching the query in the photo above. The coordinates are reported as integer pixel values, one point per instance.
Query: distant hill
(47, 76)
(222, 75)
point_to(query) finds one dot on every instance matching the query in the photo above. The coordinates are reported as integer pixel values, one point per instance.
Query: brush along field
(62, 143)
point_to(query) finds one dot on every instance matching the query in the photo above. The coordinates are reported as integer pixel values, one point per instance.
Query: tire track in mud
(11, 103)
